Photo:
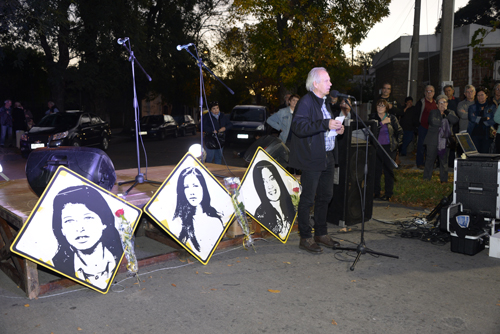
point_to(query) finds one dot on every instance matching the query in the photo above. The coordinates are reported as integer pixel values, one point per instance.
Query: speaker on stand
(345, 207)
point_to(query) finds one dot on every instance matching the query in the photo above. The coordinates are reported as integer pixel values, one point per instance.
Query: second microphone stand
(361, 248)
(139, 178)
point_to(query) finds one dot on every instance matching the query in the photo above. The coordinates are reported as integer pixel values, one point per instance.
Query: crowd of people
(305, 124)
(15, 120)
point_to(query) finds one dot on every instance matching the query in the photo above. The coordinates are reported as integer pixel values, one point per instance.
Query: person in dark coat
(441, 123)
(408, 119)
(313, 150)
(215, 125)
(19, 125)
(481, 118)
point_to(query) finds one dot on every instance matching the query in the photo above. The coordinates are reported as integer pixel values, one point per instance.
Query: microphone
(183, 47)
(122, 41)
(335, 93)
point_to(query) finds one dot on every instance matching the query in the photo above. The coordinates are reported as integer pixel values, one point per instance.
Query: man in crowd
(18, 122)
(286, 102)
(409, 123)
(463, 107)
(215, 124)
(313, 151)
(386, 95)
(449, 91)
(424, 107)
(6, 123)
(52, 108)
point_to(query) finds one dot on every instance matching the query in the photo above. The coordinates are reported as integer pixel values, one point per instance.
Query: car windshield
(148, 120)
(247, 115)
(60, 119)
(179, 119)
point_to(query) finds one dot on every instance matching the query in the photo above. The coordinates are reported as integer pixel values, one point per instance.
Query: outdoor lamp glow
(196, 150)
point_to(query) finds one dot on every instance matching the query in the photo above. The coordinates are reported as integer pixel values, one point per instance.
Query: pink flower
(296, 189)
(119, 213)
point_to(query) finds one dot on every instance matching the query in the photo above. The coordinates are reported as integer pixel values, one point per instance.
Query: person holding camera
(215, 124)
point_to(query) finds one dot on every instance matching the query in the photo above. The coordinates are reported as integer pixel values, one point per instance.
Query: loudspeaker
(91, 163)
(273, 146)
(346, 205)
(476, 186)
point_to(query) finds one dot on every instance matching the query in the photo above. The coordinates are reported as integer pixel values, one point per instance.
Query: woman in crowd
(496, 101)
(390, 137)
(200, 225)
(276, 210)
(89, 243)
(481, 119)
(441, 121)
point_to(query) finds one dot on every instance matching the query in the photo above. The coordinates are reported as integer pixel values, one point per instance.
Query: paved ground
(282, 289)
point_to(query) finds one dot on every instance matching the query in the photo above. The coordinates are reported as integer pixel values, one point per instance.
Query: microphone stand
(361, 247)
(200, 64)
(139, 177)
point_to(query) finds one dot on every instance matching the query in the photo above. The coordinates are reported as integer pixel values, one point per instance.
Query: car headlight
(261, 127)
(60, 135)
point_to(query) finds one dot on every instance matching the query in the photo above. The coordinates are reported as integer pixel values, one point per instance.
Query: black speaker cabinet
(346, 205)
(91, 163)
(273, 146)
(476, 186)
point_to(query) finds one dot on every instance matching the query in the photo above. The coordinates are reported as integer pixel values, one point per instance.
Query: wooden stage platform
(17, 200)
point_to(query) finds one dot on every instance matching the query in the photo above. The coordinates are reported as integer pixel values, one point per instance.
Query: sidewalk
(282, 289)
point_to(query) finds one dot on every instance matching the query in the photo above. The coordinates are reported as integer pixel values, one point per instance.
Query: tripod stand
(139, 178)
(361, 247)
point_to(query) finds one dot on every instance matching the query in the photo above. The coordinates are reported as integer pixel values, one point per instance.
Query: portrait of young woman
(89, 246)
(198, 224)
(275, 211)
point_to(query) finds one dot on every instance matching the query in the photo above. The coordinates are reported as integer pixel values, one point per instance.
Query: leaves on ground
(273, 291)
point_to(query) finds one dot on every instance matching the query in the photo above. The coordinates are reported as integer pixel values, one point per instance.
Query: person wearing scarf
(440, 124)
(481, 117)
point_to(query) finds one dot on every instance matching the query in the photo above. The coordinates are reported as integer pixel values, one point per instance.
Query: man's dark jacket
(307, 149)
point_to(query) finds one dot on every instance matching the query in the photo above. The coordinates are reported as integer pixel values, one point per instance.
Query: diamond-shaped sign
(193, 207)
(270, 194)
(74, 230)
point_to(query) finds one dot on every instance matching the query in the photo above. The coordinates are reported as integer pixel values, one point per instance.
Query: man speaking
(313, 151)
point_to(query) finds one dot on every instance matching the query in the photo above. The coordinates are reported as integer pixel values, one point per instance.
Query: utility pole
(414, 52)
(446, 57)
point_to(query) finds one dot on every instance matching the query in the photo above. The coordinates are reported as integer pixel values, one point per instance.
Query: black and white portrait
(74, 231)
(193, 207)
(269, 192)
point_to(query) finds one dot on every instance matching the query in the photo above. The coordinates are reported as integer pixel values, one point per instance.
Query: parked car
(157, 126)
(249, 123)
(71, 128)
(186, 124)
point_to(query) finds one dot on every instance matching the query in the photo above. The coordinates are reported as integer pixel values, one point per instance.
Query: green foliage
(483, 12)
(284, 39)
(86, 67)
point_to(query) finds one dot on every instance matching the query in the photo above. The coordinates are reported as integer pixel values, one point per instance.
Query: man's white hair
(313, 77)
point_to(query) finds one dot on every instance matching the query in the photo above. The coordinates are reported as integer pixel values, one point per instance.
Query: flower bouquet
(232, 184)
(126, 234)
